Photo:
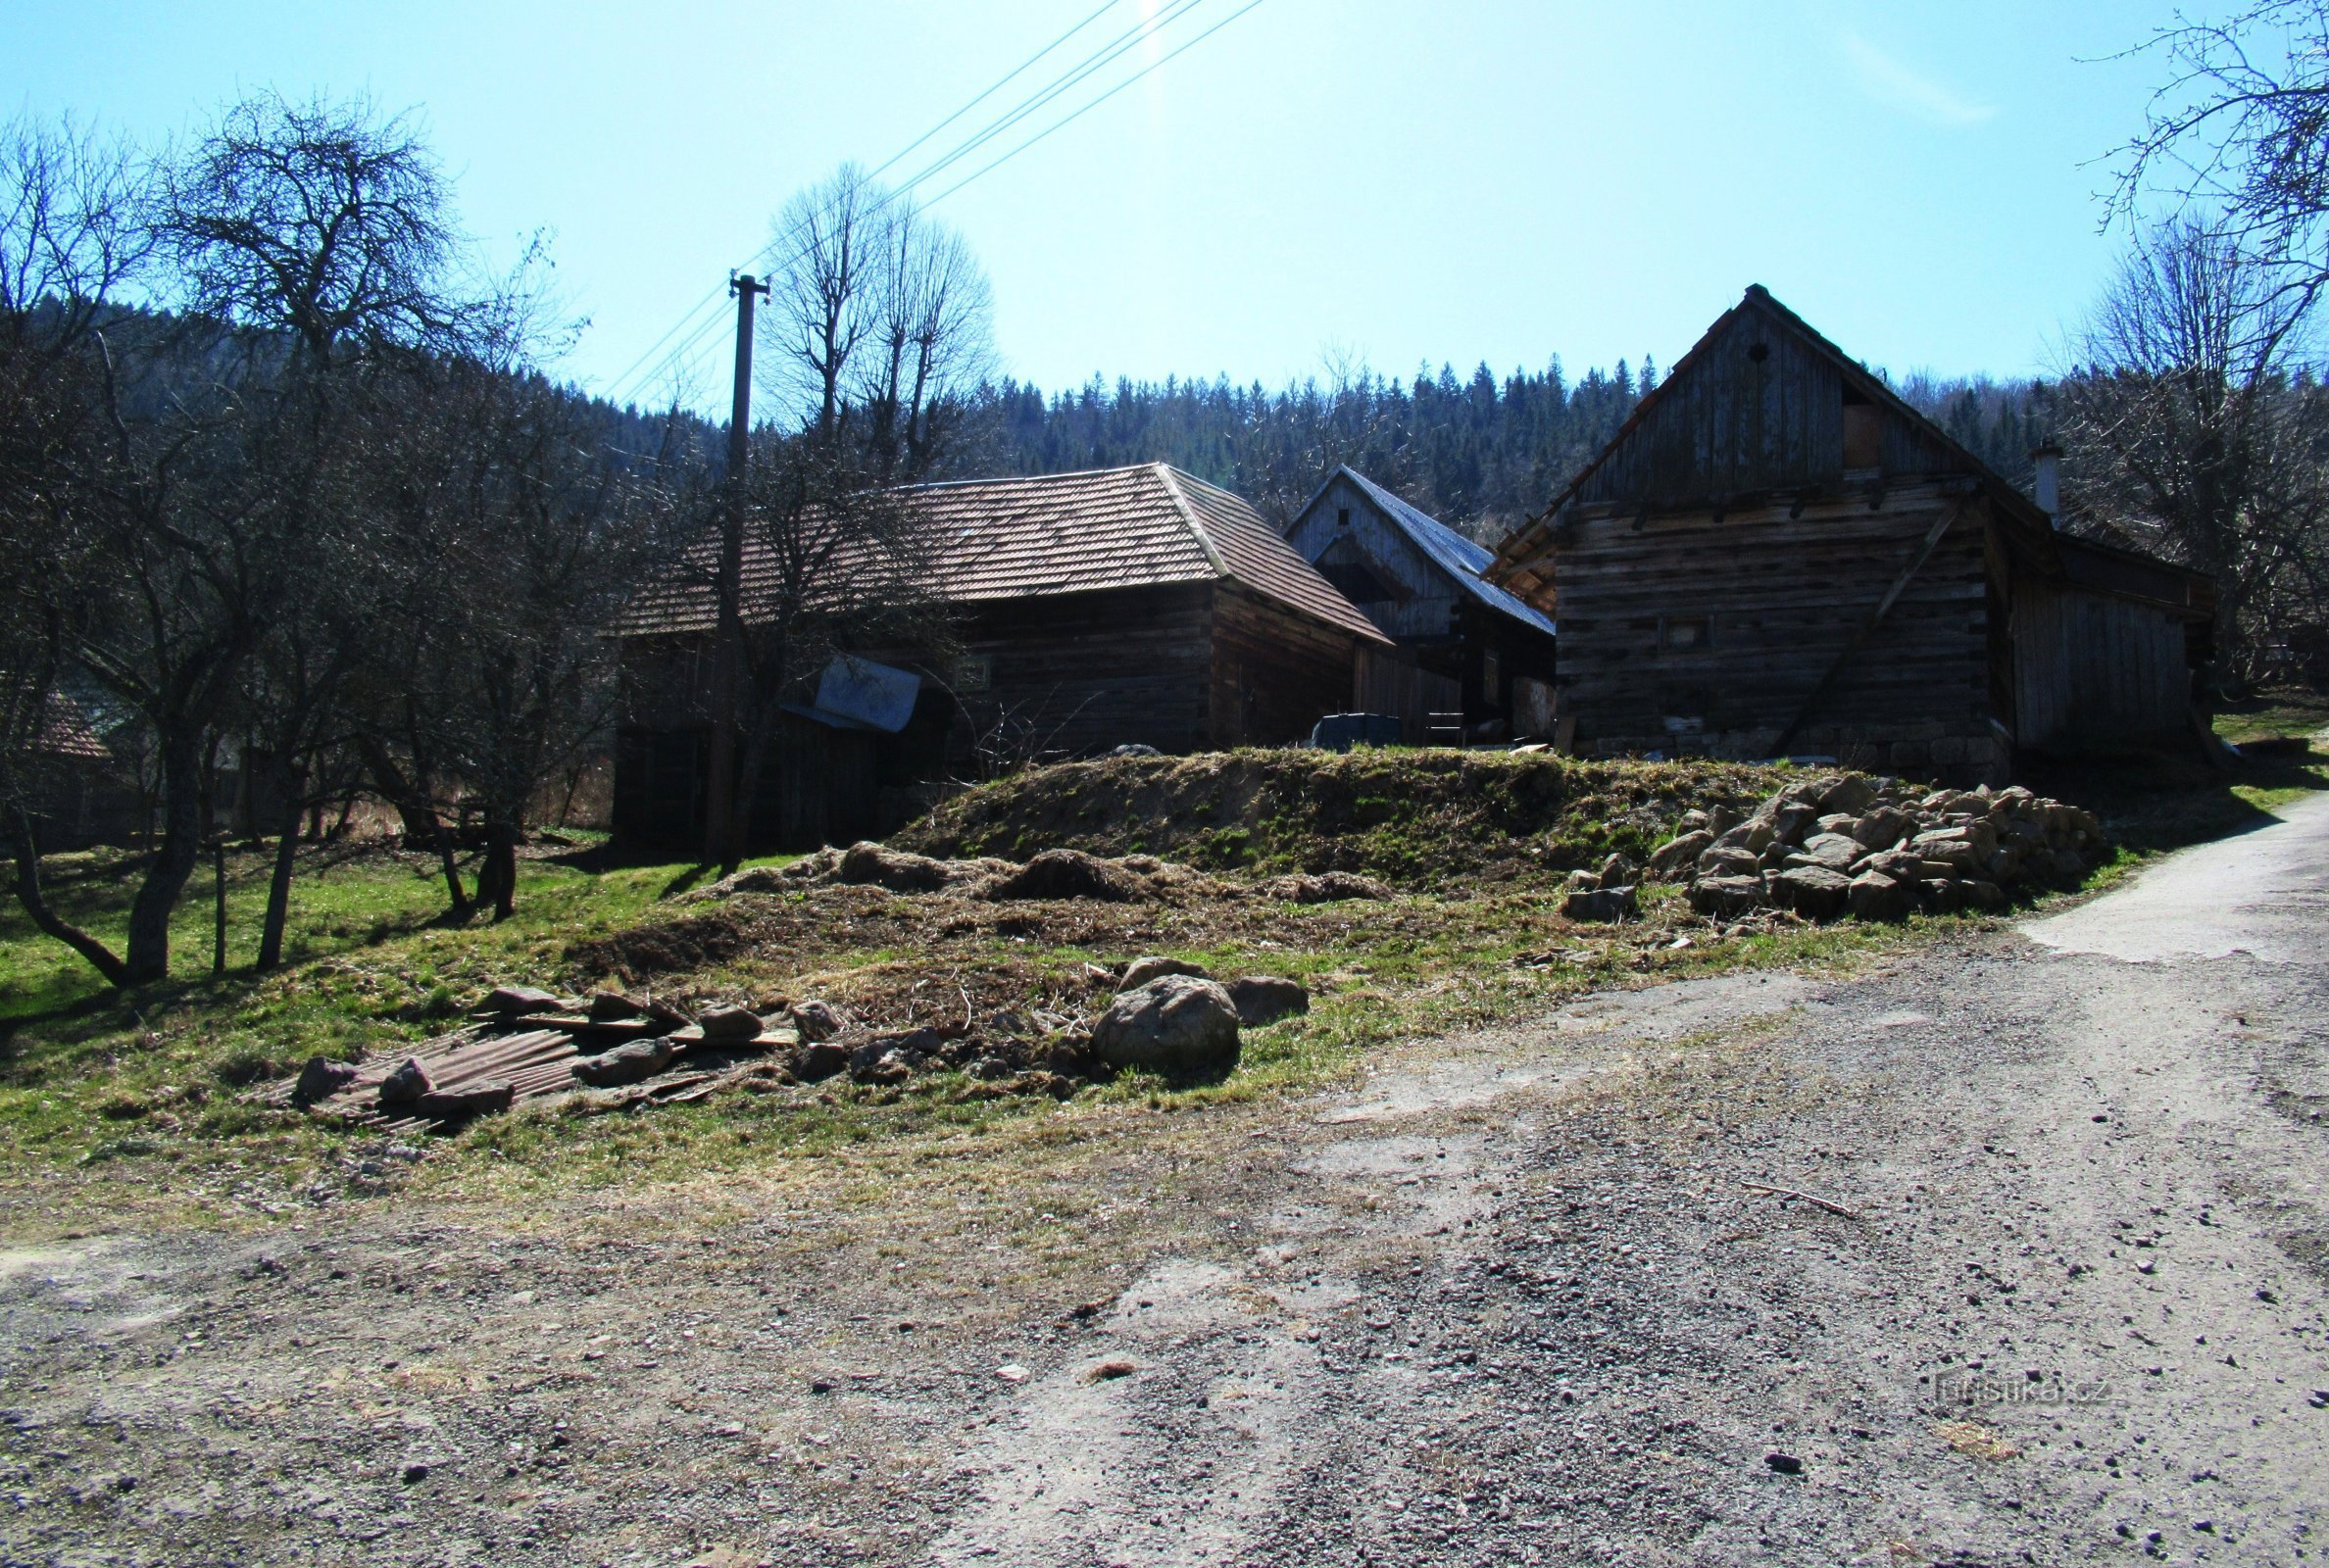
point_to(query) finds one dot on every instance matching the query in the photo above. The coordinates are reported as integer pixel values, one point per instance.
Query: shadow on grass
(2152, 803)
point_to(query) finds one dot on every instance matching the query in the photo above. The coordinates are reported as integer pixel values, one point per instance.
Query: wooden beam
(1924, 552)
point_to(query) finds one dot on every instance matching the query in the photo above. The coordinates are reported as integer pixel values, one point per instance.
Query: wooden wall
(1084, 672)
(2097, 673)
(1779, 597)
(1276, 673)
(1758, 406)
(1423, 604)
(1390, 682)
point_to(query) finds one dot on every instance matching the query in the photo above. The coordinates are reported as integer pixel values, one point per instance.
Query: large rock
(514, 1001)
(1813, 890)
(626, 1064)
(1616, 872)
(816, 1020)
(1174, 1024)
(1727, 861)
(819, 1061)
(1900, 865)
(1883, 827)
(406, 1084)
(1677, 855)
(1600, 905)
(321, 1079)
(488, 1098)
(1140, 971)
(1262, 1000)
(1852, 794)
(727, 1025)
(1726, 897)
(1874, 896)
(1835, 851)
(1792, 820)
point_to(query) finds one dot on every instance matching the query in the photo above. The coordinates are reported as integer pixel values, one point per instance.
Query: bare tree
(818, 308)
(930, 342)
(72, 235)
(2191, 425)
(329, 221)
(877, 311)
(835, 561)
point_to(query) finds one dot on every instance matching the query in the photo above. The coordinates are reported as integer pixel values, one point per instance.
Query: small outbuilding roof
(1462, 558)
(1039, 536)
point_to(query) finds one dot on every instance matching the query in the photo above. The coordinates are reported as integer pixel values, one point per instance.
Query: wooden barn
(1134, 605)
(1776, 554)
(1474, 663)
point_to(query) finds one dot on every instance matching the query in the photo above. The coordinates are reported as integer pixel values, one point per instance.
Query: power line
(1106, 54)
(1109, 52)
(714, 296)
(1095, 103)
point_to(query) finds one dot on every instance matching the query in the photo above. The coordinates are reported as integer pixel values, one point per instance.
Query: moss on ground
(1414, 818)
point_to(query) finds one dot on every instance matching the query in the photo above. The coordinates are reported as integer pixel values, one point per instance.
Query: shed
(1095, 610)
(1776, 554)
(1473, 661)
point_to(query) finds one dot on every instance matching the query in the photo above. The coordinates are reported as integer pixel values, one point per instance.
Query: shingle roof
(1460, 557)
(67, 733)
(1063, 534)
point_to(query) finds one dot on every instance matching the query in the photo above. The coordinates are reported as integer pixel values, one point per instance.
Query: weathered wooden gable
(1762, 404)
(1356, 546)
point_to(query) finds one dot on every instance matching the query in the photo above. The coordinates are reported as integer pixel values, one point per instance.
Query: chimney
(2045, 484)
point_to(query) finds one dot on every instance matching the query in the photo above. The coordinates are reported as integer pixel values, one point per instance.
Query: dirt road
(2054, 1292)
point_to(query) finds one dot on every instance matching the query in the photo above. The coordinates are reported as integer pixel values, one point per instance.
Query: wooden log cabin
(1474, 663)
(1777, 556)
(1135, 606)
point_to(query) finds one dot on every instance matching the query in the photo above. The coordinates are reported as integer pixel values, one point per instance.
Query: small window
(1342, 516)
(976, 672)
(1863, 433)
(1491, 677)
(1684, 633)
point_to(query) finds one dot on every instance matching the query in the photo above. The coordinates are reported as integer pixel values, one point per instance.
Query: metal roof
(1030, 537)
(1463, 558)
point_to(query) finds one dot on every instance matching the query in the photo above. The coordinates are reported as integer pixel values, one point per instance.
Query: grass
(119, 1108)
(2281, 712)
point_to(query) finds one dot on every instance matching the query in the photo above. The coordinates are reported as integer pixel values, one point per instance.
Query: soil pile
(1411, 819)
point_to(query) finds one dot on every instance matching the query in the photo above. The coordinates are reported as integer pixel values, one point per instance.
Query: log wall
(1275, 673)
(1699, 631)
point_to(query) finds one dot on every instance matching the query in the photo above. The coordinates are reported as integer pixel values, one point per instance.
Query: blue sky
(1454, 181)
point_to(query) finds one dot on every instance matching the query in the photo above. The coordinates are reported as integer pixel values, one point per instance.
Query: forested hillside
(1479, 453)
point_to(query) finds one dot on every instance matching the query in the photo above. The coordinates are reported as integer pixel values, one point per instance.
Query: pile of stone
(1876, 849)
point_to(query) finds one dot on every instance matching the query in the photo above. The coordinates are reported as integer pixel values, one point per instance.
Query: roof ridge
(1170, 478)
(1025, 478)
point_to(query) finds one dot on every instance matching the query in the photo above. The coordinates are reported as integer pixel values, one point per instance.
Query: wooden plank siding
(1740, 425)
(1775, 599)
(1083, 672)
(1275, 673)
(2095, 672)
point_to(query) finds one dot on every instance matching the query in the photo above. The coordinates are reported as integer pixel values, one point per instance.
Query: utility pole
(721, 847)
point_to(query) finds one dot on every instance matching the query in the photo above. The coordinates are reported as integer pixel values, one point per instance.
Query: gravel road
(2013, 1251)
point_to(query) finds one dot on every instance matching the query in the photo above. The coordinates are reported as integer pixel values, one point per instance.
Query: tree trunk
(409, 796)
(29, 894)
(756, 758)
(291, 781)
(497, 877)
(181, 845)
